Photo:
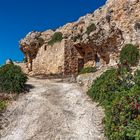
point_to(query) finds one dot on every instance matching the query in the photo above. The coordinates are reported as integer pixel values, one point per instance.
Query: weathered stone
(8, 61)
(50, 59)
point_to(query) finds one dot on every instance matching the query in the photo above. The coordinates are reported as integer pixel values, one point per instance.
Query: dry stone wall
(71, 59)
(50, 59)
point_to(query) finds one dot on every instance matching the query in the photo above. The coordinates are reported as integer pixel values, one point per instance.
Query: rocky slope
(115, 24)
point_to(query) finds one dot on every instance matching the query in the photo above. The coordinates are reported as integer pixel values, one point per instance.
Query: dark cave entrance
(97, 60)
(80, 64)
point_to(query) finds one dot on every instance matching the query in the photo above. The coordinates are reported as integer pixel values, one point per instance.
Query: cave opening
(97, 60)
(80, 64)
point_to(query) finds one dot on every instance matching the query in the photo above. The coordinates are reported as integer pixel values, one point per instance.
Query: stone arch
(80, 57)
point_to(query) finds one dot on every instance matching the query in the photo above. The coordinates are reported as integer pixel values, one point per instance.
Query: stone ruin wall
(50, 59)
(71, 59)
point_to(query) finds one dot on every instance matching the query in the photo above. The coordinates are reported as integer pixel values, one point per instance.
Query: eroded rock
(117, 23)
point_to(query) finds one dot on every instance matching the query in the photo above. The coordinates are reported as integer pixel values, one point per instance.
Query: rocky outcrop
(101, 33)
(30, 46)
(8, 61)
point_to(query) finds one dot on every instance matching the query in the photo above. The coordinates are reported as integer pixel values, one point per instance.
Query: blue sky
(18, 17)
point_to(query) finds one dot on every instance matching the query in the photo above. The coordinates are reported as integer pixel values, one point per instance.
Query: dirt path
(53, 111)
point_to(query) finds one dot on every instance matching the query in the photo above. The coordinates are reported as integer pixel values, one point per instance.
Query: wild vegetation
(2, 104)
(118, 91)
(129, 54)
(57, 37)
(91, 28)
(88, 70)
(12, 79)
(4, 99)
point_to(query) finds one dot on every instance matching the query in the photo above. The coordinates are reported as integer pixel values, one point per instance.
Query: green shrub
(57, 37)
(88, 70)
(118, 91)
(91, 28)
(122, 121)
(137, 77)
(102, 85)
(129, 54)
(109, 85)
(12, 79)
(2, 105)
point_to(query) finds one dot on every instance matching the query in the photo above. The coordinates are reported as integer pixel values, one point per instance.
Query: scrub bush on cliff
(57, 37)
(91, 28)
(130, 55)
(88, 70)
(12, 79)
(2, 105)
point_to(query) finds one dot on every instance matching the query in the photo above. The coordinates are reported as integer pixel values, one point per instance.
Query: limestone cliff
(99, 34)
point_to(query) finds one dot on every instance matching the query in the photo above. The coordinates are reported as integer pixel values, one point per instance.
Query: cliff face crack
(53, 111)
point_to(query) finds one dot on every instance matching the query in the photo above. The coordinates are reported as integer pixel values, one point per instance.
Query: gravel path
(53, 111)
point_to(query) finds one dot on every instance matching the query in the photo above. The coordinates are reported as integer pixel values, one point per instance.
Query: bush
(108, 86)
(12, 79)
(57, 37)
(103, 86)
(122, 121)
(118, 91)
(2, 105)
(91, 28)
(88, 70)
(129, 54)
(137, 77)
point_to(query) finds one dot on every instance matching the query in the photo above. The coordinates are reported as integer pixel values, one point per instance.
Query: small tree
(12, 79)
(130, 55)
(88, 70)
(91, 28)
(57, 37)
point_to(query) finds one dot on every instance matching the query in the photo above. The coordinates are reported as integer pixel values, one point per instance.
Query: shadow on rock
(28, 87)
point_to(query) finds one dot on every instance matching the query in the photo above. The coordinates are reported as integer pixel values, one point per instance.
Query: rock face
(8, 61)
(95, 39)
